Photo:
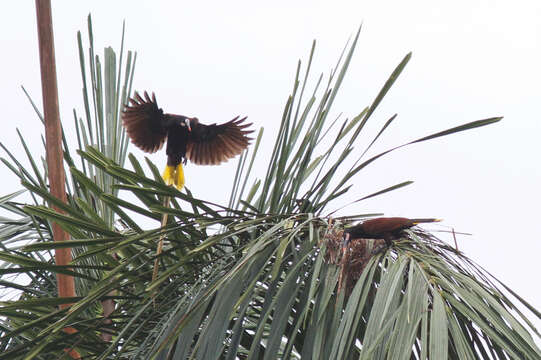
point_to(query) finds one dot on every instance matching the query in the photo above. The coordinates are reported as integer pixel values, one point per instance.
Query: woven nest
(353, 260)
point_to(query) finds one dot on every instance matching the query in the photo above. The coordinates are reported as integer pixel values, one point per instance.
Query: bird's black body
(187, 139)
(176, 149)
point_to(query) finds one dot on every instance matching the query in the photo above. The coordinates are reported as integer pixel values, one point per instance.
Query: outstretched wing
(145, 123)
(214, 144)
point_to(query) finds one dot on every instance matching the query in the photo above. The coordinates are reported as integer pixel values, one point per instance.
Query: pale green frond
(265, 277)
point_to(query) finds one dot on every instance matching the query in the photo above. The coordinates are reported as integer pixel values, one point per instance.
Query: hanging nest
(353, 260)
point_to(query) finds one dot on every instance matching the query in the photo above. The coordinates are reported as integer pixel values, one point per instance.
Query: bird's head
(190, 122)
(186, 122)
(354, 232)
(346, 237)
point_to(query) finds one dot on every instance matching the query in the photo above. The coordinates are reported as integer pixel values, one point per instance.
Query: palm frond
(264, 277)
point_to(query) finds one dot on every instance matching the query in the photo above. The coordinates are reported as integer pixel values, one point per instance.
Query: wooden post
(53, 134)
(53, 142)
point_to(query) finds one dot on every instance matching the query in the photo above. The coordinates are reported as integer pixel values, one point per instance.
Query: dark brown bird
(387, 228)
(187, 139)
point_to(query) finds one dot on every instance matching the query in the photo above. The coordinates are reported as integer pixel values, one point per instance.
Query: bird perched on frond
(386, 228)
(187, 139)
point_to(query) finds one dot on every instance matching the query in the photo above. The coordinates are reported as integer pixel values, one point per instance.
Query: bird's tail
(424, 220)
(174, 175)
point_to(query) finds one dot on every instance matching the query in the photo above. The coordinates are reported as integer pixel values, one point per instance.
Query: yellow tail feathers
(174, 175)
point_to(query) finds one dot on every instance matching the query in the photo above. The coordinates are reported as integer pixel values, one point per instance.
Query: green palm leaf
(263, 277)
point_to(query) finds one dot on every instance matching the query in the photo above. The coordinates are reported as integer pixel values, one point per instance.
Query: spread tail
(174, 175)
(428, 220)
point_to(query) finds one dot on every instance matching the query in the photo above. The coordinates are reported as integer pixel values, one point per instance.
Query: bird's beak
(345, 240)
(187, 122)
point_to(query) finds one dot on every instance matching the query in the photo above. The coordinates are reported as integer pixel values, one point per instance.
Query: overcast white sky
(215, 60)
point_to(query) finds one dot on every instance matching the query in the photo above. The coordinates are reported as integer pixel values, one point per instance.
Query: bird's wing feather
(214, 144)
(145, 123)
(386, 225)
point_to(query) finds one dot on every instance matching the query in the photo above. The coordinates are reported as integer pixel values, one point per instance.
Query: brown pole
(53, 142)
(53, 134)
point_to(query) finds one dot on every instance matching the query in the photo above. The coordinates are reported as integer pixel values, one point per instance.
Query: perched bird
(187, 139)
(386, 228)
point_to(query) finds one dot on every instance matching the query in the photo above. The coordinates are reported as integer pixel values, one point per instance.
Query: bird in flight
(187, 139)
(386, 228)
